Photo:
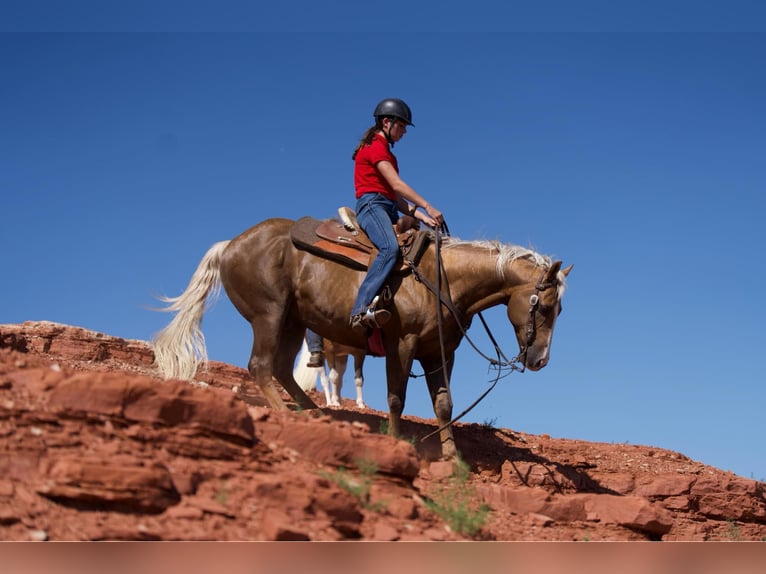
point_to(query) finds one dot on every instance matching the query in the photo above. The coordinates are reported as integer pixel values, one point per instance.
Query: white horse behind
(336, 361)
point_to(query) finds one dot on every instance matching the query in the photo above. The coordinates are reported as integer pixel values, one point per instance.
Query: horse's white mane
(506, 252)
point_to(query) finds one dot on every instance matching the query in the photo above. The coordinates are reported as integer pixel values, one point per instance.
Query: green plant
(383, 429)
(222, 496)
(455, 502)
(734, 532)
(359, 487)
(489, 424)
(367, 467)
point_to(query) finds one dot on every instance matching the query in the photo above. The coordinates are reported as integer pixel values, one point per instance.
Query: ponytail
(366, 139)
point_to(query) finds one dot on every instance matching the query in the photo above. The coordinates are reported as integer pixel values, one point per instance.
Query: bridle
(534, 305)
(518, 363)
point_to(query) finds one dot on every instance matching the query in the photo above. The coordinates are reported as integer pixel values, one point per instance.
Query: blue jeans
(314, 342)
(376, 216)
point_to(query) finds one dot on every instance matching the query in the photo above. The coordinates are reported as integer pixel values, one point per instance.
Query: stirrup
(370, 319)
(376, 317)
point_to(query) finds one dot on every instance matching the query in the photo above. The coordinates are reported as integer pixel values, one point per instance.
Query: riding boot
(315, 360)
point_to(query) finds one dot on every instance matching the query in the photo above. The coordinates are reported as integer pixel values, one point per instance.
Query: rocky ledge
(94, 446)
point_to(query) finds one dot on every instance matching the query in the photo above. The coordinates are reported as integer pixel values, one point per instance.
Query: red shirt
(367, 178)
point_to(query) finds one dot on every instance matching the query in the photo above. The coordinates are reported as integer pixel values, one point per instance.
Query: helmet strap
(386, 133)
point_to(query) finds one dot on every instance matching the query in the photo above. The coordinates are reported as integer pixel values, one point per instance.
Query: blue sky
(639, 157)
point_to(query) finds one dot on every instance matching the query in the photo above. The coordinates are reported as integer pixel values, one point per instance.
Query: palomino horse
(281, 290)
(336, 359)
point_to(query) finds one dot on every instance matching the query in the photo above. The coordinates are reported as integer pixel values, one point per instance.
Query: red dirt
(96, 447)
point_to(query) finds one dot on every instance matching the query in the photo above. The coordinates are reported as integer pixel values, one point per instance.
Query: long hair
(366, 138)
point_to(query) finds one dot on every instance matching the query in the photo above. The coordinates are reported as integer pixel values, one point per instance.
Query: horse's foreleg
(337, 371)
(359, 380)
(397, 393)
(325, 387)
(395, 407)
(398, 363)
(336, 381)
(441, 398)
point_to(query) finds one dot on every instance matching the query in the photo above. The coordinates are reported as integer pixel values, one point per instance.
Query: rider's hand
(435, 214)
(425, 218)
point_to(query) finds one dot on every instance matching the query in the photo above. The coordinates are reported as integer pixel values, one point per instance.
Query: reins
(439, 315)
(446, 301)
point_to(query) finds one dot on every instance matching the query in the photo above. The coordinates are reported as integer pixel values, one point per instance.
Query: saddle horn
(347, 217)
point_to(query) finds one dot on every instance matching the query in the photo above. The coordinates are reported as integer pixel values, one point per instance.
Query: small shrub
(457, 504)
(489, 424)
(734, 532)
(222, 496)
(358, 487)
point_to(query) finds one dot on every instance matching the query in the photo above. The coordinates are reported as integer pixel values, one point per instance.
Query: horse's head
(532, 309)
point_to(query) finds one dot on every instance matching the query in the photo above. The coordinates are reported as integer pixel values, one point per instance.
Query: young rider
(381, 194)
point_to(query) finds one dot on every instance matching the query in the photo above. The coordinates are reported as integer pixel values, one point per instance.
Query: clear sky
(637, 156)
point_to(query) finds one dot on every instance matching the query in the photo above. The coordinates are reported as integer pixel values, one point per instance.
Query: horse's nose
(539, 364)
(536, 359)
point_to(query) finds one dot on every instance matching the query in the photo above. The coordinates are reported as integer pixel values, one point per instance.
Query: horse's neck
(473, 279)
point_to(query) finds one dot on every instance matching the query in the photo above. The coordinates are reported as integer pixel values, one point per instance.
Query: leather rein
(515, 364)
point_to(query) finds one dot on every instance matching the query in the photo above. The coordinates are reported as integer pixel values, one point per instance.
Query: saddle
(342, 240)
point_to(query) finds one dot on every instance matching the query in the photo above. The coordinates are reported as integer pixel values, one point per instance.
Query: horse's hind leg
(284, 359)
(269, 362)
(260, 366)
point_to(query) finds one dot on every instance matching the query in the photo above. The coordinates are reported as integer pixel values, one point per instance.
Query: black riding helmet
(393, 108)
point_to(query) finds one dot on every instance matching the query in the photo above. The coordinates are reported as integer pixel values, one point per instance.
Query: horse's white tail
(180, 347)
(306, 377)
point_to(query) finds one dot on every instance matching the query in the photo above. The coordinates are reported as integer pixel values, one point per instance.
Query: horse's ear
(553, 271)
(567, 270)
